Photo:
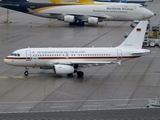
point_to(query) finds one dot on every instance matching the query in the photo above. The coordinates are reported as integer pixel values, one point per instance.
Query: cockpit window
(15, 54)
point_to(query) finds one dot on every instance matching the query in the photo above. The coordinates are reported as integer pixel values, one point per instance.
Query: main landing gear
(78, 23)
(80, 74)
(26, 71)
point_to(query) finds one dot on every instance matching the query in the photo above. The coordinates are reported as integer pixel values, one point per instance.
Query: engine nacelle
(69, 18)
(63, 69)
(93, 20)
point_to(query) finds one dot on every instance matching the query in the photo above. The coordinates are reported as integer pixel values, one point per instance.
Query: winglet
(136, 37)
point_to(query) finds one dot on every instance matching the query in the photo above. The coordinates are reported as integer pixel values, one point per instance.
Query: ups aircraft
(72, 60)
(78, 14)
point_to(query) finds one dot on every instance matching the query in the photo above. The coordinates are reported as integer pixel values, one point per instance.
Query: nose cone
(7, 61)
(148, 13)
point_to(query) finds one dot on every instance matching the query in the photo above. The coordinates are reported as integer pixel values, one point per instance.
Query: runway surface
(102, 88)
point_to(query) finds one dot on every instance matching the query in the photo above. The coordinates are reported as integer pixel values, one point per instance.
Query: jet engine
(93, 20)
(63, 69)
(69, 18)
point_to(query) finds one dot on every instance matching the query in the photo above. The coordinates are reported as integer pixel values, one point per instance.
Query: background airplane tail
(136, 37)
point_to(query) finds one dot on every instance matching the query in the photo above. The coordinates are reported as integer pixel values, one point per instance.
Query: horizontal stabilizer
(142, 52)
(136, 53)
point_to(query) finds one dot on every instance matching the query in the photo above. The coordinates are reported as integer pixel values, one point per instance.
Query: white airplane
(80, 13)
(71, 60)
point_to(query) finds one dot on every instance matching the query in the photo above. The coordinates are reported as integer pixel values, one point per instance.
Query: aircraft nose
(149, 13)
(7, 61)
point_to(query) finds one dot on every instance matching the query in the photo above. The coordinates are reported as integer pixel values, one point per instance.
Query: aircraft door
(28, 55)
(119, 54)
(67, 55)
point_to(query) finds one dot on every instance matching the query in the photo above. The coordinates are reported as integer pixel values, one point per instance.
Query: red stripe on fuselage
(71, 58)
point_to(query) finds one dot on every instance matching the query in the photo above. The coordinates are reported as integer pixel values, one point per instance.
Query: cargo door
(67, 55)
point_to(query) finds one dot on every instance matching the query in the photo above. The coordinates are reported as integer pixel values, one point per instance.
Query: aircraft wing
(137, 53)
(82, 17)
(82, 63)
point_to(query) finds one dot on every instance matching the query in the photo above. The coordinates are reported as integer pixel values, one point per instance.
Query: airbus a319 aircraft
(71, 60)
(80, 13)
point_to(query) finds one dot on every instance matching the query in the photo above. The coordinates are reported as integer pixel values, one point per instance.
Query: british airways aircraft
(80, 13)
(71, 60)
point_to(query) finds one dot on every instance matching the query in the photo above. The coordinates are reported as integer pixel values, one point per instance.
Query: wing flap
(83, 64)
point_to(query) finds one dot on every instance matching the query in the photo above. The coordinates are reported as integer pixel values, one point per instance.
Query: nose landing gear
(26, 71)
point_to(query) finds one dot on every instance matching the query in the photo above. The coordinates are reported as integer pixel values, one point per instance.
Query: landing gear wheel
(80, 74)
(80, 23)
(26, 73)
(76, 23)
(72, 24)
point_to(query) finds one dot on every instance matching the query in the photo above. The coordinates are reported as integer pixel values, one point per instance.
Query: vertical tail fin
(136, 37)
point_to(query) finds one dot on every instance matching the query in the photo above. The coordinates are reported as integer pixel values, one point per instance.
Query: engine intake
(69, 18)
(63, 69)
(93, 20)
